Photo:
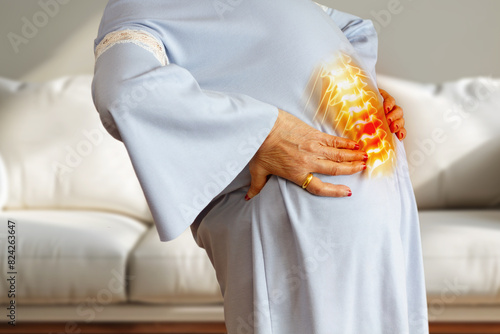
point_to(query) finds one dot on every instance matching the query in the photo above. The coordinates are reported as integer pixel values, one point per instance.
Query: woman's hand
(294, 149)
(394, 115)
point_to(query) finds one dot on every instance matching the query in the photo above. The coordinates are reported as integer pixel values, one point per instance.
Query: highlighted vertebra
(354, 109)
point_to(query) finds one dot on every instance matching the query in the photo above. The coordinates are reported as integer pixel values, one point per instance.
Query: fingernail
(349, 194)
(356, 147)
(364, 166)
(365, 156)
(247, 198)
(397, 127)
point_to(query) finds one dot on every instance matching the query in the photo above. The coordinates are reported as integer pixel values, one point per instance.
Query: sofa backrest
(453, 142)
(58, 155)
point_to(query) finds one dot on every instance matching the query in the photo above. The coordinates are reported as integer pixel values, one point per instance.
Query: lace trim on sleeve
(138, 37)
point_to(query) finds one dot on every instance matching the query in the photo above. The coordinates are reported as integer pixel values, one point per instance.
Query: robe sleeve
(360, 33)
(186, 144)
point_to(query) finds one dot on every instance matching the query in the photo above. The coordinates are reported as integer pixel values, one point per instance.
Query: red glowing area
(351, 106)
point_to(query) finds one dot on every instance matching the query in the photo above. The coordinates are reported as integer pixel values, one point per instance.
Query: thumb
(259, 179)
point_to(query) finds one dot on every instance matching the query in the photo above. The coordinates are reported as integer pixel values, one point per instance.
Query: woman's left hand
(394, 115)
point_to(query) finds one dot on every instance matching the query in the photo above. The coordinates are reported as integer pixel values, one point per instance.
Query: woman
(217, 104)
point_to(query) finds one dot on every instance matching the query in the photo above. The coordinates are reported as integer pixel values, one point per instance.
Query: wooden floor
(116, 328)
(464, 328)
(202, 328)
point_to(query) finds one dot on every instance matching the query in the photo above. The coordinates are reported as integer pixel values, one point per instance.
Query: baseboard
(201, 328)
(130, 312)
(136, 312)
(209, 319)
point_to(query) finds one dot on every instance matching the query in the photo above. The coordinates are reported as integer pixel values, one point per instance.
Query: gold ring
(307, 180)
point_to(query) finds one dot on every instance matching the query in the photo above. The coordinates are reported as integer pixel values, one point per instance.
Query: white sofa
(86, 248)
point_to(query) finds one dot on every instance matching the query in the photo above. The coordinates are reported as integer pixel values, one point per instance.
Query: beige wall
(62, 45)
(433, 40)
(423, 40)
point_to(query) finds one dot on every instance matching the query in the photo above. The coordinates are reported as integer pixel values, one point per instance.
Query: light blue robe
(287, 261)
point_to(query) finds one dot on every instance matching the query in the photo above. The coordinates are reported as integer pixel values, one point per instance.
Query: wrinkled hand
(294, 149)
(394, 115)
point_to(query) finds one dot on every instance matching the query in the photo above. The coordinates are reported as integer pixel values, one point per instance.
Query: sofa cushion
(453, 143)
(177, 271)
(461, 252)
(70, 256)
(57, 153)
(3, 184)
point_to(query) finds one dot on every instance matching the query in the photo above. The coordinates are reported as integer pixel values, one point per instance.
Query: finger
(401, 134)
(335, 168)
(258, 181)
(383, 92)
(341, 155)
(397, 125)
(389, 101)
(339, 142)
(320, 188)
(395, 114)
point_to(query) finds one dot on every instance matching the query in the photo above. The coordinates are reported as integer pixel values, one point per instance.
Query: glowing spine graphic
(355, 110)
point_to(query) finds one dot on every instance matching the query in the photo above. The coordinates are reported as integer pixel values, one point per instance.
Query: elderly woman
(236, 116)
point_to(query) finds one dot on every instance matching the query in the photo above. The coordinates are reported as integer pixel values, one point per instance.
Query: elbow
(369, 30)
(370, 27)
(360, 29)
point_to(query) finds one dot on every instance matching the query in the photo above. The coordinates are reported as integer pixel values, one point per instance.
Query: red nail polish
(366, 157)
(356, 147)
(349, 193)
(247, 198)
(364, 167)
